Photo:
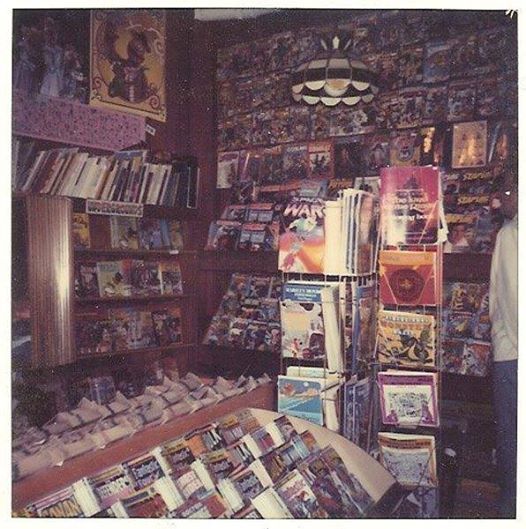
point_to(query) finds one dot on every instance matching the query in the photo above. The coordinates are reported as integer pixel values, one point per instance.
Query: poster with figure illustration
(128, 61)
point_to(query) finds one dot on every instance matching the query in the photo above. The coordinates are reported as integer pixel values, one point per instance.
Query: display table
(44, 482)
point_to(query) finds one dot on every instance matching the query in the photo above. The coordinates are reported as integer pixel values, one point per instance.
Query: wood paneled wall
(50, 252)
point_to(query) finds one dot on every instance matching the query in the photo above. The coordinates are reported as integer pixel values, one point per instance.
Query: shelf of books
(226, 461)
(407, 363)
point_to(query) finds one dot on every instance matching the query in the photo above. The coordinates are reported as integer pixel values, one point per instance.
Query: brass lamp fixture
(334, 77)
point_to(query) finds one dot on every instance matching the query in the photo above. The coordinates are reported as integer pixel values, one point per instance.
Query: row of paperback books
(248, 316)
(232, 468)
(125, 176)
(122, 329)
(128, 277)
(129, 233)
(93, 425)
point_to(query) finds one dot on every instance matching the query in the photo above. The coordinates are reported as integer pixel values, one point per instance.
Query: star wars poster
(128, 61)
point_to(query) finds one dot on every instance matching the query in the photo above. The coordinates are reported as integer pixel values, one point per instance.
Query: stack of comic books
(260, 471)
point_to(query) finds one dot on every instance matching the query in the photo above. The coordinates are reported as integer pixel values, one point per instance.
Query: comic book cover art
(111, 485)
(431, 143)
(406, 338)
(408, 398)
(299, 497)
(298, 122)
(257, 237)
(320, 122)
(404, 148)
(167, 325)
(469, 144)
(223, 235)
(466, 297)
(227, 169)
(94, 336)
(411, 102)
(321, 159)
(437, 62)
(124, 232)
(458, 324)
(434, 108)
(302, 321)
(171, 280)
(410, 66)
(301, 398)
(461, 232)
(271, 171)
(409, 201)
(452, 356)
(356, 411)
(363, 324)
(112, 279)
(86, 281)
(302, 238)
(81, 233)
(376, 153)
(61, 504)
(146, 503)
(464, 55)
(347, 121)
(488, 101)
(422, 503)
(234, 212)
(461, 101)
(327, 487)
(386, 64)
(150, 237)
(411, 459)
(295, 162)
(408, 278)
(477, 358)
(347, 158)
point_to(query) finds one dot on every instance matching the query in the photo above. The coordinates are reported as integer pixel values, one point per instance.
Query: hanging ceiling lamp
(334, 77)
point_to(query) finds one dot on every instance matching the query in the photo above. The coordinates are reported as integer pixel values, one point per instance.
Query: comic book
(263, 212)
(123, 328)
(411, 102)
(437, 62)
(86, 280)
(144, 470)
(434, 109)
(469, 144)
(227, 169)
(356, 411)
(271, 170)
(299, 497)
(432, 145)
(175, 235)
(452, 356)
(295, 162)
(209, 506)
(347, 159)
(408, 278)
(81, 233)
(321, 159)
(461, 100)
(363, 338)
(257, 237)
(124, 232)
(150, 236)
(302, 321)
(94, 336)
(408, 398)
(234, 212)
(410, 60)
(301, 242)
(223, 235)
(404, 148)
(411, 459)
(422, 503)
(171, 280)
(111, 485)
(301, 397)
(167, 326)
(113, 280)
(477, 358)
(376, 153)
(406, 338)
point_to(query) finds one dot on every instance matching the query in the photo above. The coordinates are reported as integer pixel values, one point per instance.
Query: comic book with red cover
(410, 205)
(408, 278)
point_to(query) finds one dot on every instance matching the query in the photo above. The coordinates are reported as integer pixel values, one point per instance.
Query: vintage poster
(128, 61)
(469, 144)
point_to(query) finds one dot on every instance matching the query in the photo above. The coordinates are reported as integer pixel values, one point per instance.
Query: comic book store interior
(264, 263)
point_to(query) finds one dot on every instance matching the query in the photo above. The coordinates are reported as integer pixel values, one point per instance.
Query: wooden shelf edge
(46, 481)
(143, 350)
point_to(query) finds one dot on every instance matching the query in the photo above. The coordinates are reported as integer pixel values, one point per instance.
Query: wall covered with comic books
(448, 97)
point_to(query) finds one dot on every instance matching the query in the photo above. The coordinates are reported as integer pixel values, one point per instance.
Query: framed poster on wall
(128, 61)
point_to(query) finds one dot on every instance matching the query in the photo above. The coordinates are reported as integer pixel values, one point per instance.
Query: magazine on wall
(411, 459)
(406, 338)
(408, 398)
(410, 198)
(302, 239)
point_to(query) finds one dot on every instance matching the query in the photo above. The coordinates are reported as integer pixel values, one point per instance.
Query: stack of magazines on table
(93, 425)
(232, 468)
